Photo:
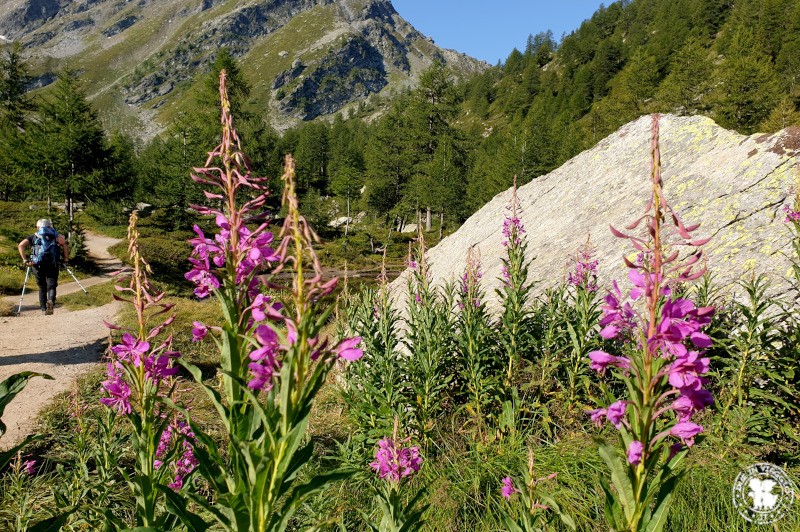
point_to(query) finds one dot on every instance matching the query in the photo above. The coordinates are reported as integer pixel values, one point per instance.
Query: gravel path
(64, 345)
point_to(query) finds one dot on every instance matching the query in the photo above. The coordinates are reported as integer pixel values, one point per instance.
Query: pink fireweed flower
(691, 401)
(347, 350)
(118, 390)
(597, 416)
(199, 331)
(602, 360)
(506, 275)
(203, 279)
(635, 450)
(616, 413)
(159, 366)
(265, 362)
(512, 229)
(508, 488)
(585, 272)
(131, 349)
(29, 466)
(791, 214)
(686, 431)
(393, 463)
(685, 371)
(617, 318)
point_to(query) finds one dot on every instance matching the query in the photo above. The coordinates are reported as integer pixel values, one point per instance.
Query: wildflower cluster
(469, 288)
(181, 465)
(140, 378)
(394, 462)
(791, 214)
(273, 355)
(585, 273)
(665, 368)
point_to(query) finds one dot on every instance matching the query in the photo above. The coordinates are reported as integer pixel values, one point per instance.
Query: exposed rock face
(735, 186)
(343, 76)
(147, 53)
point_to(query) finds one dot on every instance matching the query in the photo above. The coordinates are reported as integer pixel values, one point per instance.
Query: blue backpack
(46, 251)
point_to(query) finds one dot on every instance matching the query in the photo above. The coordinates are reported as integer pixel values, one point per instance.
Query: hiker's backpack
(46, 251)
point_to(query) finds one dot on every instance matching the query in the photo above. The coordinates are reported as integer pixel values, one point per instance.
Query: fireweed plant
(663, 372)
(429, 341)
(582, 286)
(515, 292)
(273, 360)
(139, 379)
(537, 509)
(375, 390)
(395, 465)
(474, 345)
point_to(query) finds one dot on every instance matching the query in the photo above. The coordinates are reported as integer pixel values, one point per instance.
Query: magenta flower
(602, 360)
(691, 401)
(585, 273)
(685, 371)
(508, 488)
(635, 450)
(597, 416)
(616, 413)
(617, 318)
(686, 431)
(791, 214)
(118, 390)
(199, 331)
(392, 463)
(131, 349)
(265, 362)
(202, 278)
(29, 466)
(159, 367)
(347, 349)
(512, 229)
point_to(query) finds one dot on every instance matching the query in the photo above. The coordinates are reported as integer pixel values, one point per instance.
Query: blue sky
(490, 29)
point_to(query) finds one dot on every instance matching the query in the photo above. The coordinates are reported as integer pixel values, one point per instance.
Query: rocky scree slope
(304, 58)
(733, 185)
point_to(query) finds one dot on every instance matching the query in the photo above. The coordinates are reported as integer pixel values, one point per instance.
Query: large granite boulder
(734, 186)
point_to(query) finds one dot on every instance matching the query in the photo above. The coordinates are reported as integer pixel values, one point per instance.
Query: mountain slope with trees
(440, 150)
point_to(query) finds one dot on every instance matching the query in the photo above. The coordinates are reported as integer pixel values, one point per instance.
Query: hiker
(49, 250)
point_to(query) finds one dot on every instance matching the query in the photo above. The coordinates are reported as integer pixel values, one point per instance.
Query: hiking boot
(49, 309)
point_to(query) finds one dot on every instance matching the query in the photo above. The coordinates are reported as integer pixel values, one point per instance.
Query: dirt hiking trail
(64, 345)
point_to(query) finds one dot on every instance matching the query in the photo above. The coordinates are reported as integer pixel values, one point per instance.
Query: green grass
(95, 296)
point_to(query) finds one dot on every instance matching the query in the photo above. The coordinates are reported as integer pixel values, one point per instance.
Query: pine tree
(67, 145)
(748, 88)
(688, 83)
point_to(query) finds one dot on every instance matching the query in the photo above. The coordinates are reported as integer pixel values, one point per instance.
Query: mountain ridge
(140, 58)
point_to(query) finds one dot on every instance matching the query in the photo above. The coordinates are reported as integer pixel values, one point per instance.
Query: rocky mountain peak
(140, 56)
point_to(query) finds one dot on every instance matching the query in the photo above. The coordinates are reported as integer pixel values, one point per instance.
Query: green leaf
(52, 524)
(612, 508)
(176, 505)
(281, 519)
(619, 477)
(663, 503)
(10, 387)
(7, 455)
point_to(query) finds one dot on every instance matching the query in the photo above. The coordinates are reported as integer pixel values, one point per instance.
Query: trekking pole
(27, 273)
(76, 279)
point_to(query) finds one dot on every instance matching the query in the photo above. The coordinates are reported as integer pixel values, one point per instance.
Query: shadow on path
(91, 352)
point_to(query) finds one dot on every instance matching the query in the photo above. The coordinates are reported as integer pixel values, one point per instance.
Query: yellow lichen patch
(749, 264)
